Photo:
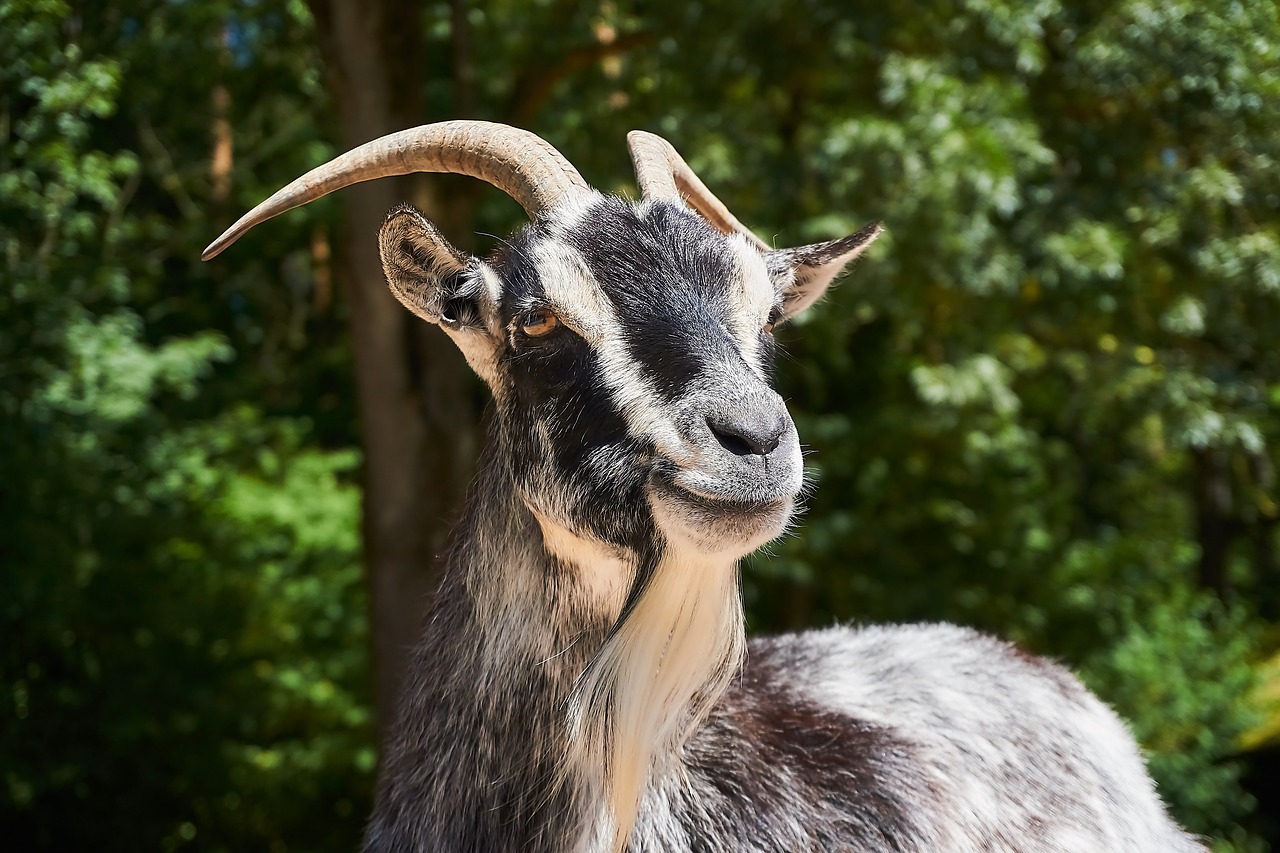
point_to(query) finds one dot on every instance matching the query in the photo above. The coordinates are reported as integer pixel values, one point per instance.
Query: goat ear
(801, 275)
(444, 286)
(428, 275)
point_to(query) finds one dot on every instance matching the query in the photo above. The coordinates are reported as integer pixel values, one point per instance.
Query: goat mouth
(721, 505)
(714, 523)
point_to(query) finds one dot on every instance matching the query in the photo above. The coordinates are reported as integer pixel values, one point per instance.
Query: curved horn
(519, 163)
(663, 174)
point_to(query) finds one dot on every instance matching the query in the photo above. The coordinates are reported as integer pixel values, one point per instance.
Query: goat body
(583, 682)
(908, 738)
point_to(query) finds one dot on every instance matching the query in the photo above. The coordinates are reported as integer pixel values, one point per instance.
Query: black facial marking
(564, 429)
(521, 285)
(665, 274)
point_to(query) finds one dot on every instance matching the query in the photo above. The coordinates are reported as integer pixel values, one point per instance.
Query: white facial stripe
(491, 294)
(752, 292)
(570, 215)
(573, 290)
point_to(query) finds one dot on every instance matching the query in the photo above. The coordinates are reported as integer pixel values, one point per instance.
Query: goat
(580, 684)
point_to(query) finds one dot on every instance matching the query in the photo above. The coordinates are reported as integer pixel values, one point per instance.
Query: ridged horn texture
(662, 173)
(519, 163)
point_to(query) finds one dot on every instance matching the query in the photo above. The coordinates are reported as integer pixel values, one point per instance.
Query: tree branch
(534, 86)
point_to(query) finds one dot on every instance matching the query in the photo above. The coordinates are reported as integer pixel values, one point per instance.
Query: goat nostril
(731, 441)
(746, 436)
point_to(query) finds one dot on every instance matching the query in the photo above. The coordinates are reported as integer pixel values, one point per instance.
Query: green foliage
(1182, 656)
(1046, 404)
(185, 656)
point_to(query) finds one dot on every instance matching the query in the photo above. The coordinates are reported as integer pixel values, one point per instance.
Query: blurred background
(1047, 404)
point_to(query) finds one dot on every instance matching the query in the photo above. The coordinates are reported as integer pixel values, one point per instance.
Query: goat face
(627, 345)
(629, 348)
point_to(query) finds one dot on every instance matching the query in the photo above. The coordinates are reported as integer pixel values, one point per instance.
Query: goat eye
(539, 322)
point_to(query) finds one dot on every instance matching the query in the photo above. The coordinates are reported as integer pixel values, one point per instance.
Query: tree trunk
(1215, 517)
(417, 410)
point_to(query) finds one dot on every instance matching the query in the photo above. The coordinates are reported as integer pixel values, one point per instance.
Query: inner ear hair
(425, 272)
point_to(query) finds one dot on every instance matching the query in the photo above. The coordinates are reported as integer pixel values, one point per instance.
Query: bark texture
(417, 403)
